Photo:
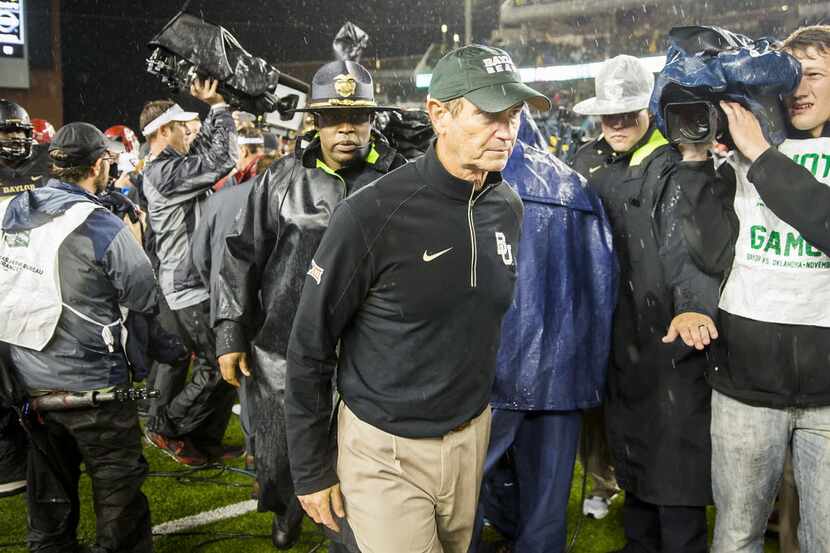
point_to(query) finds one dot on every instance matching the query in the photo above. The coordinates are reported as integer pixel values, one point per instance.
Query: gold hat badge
(345, 85)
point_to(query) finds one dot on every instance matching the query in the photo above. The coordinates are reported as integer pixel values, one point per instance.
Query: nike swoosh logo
(593, 170)
(35, 179)
(430, 257)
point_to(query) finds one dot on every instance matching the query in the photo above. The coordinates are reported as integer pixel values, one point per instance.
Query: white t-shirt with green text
(777, 276)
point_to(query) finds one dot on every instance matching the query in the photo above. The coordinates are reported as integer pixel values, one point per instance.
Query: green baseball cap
(486, 76)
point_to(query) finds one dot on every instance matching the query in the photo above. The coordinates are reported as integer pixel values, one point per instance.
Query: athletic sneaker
(595, 507)
(180, 451)
(8, 489)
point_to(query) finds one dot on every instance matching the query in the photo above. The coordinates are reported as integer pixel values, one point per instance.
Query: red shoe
(179, 450)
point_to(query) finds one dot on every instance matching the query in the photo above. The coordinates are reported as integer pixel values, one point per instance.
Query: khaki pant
(407, 495)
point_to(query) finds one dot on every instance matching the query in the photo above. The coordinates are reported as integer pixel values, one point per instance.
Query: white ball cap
(623, 85)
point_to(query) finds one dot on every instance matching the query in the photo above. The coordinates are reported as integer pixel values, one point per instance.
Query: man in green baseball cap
(485, 76)
(413, 277)
(475, 97)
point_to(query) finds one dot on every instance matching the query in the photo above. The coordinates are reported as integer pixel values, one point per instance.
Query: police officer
(77, 264)
(267, 257)
(657, 405)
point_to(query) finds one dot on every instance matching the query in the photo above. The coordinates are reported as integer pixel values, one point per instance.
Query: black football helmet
(14, 118)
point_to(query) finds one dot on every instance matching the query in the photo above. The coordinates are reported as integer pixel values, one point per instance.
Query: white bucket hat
(623, 85)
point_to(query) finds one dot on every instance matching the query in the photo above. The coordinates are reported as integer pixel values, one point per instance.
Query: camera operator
(269, 253)
(77, 263)
(774, 393)
(657, 407)
(177, 179)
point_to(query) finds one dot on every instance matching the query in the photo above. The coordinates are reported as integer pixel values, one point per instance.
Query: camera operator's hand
(694, 152)
(229, 362)
(745, 130)
(206, 91)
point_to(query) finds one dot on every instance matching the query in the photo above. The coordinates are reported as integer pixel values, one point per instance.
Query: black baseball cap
(484, 75)
(77, 144)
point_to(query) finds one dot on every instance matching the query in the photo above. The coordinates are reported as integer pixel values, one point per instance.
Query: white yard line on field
(207, 517)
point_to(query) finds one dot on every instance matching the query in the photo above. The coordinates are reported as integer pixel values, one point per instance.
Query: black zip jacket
(412, 277)
(657, 398)
(769, 364)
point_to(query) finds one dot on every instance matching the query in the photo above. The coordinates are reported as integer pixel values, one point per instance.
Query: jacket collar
(34, 208)
(650, 141)
(439, 178)
(167, 152)
(73, 188)
(653, 140)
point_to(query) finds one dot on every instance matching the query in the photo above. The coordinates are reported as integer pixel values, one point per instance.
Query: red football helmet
(124, 135)
(43, 132)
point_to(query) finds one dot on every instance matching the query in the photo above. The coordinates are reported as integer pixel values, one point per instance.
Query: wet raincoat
(260, 281)
(556, 335)
(657, 408)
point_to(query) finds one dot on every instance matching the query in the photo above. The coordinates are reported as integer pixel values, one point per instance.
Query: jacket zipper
(474, 256)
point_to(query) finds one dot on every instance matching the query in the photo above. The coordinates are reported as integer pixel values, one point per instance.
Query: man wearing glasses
(657, 404)
(267, 256)
(70, 265)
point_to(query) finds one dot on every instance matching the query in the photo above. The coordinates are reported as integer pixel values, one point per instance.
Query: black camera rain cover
(350, 42)
(217, 54)
(718, 64)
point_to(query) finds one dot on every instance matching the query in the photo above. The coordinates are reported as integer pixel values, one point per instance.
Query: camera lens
(689, 122)
(694, 122)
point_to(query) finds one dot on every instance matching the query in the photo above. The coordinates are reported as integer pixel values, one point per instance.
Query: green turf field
(175, 494)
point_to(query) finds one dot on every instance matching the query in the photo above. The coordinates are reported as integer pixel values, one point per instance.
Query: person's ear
(438, 115)
(98, 167)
